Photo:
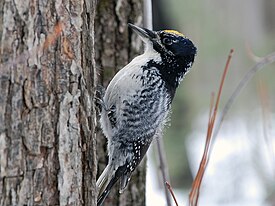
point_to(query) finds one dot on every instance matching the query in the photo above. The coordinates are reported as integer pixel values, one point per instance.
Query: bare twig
(163, 168)
(221, 84)
(172, 193)
(195, 191)
(251, 73)
(194, 194)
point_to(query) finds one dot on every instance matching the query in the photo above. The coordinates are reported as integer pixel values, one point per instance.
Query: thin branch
(221, 84)
(247, 77)
(194, 194)
(195, 191)
(172, 193)
(163, 168)
(211, 106)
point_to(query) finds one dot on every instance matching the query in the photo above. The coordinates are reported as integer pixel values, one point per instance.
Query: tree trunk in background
(47, 117)
(269, 16)
(47, 81)
(115, 47)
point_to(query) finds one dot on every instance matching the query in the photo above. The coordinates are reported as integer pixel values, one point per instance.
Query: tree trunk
(47, 121)
(48, 76)
(115, 46)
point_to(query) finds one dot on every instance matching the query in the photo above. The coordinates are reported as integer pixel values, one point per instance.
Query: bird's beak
(145, 34)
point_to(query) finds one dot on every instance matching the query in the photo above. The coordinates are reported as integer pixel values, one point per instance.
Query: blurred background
(241, 170)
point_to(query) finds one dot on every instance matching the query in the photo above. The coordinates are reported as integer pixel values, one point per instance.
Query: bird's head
(176, 50)
(168, 42)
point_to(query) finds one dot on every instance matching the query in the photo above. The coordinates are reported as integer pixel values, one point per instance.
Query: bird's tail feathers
(106, 181)
(123, 183)
(105, 185)
(103, 180)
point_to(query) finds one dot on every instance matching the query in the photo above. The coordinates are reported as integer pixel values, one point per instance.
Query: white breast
(123, 86)
(123, 83)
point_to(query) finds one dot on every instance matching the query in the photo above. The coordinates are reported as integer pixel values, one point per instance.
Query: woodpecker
(137, 102)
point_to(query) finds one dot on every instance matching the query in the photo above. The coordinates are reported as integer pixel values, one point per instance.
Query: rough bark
(48, 77)
(116, 45)
(47, 116)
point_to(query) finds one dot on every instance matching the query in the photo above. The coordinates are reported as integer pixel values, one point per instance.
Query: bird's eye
(175, 40)
(167, 41)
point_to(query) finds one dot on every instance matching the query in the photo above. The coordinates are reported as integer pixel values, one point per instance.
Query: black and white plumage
(137, 102)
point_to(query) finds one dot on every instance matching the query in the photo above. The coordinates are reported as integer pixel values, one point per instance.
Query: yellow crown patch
(174, 32)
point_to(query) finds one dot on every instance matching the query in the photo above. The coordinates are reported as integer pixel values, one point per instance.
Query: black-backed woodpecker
(137, 102)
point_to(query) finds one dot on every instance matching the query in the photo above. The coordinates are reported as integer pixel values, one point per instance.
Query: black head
(176, 50)
(168, 42)
(174, 43)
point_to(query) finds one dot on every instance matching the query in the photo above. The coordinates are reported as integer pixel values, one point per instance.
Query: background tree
(48, 76)
(115, 46)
